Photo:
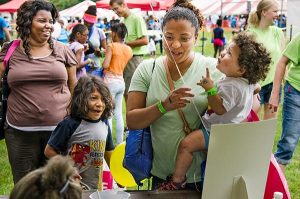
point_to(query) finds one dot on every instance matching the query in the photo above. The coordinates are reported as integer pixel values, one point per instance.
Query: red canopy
(144, 5)
(11, 6)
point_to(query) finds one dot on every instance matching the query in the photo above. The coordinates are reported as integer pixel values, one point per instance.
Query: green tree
(61, 5)
(3, 1)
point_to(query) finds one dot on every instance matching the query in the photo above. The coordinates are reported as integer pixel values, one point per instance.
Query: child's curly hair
(253, 58)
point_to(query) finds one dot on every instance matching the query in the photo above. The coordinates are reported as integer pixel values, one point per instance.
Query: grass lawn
(292, 170)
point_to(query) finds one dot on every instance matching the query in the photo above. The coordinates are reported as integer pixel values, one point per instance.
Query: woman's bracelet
(160, 107)
(212, 91)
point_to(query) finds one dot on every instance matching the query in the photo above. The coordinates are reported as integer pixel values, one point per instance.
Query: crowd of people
(63, 100)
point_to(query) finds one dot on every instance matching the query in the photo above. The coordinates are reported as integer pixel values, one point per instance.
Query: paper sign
(238, 150)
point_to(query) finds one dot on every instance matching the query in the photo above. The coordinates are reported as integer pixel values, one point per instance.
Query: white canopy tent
(229, 7)
(293, 22)
(79, 9)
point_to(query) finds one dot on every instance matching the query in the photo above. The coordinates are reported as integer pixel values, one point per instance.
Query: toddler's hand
(206, 82)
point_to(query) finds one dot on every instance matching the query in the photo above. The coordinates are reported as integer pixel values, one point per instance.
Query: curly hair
(182, 9)
(84, 88)
(25, 15)
(254, 58)
(48, 181)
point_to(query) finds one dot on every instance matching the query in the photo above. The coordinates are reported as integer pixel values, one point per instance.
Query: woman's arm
(139, 116)
(279, 75)
(71, 70)
(108, 56)
(2, 69)
(78, 56)
(50, 151)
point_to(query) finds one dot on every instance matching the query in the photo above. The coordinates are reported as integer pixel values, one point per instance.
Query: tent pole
(221, 8)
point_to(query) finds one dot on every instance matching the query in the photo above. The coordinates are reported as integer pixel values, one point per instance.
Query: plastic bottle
(278, 195)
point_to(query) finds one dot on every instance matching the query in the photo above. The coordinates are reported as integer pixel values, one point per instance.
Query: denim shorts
(290, 125)
(265, 93)
(206, 137)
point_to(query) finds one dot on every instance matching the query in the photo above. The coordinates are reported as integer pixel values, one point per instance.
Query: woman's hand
(177, 99)
(274, 102)
(206, 82)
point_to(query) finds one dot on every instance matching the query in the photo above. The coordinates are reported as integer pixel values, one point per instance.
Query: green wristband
(161, 107)
(212, 92)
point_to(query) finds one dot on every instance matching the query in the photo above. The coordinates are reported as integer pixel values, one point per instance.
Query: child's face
(228, 61)
(271, 14)
(82, 37)
(96, 106)
(118, 9)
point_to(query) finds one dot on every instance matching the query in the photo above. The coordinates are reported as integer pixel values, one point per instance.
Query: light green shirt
(167, 131)
(292, 52)
(272, 40)
(136, 28)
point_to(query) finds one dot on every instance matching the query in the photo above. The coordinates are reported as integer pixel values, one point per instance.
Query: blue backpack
(139, 154)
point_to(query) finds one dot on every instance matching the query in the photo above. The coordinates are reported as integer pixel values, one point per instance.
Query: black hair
(77, 28)
(219, 22)
(92, 10)
(25, 14)
(120, 29)
(182, 9)
(86, 85)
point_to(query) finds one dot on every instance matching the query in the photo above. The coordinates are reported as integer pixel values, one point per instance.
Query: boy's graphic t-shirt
(86, 142)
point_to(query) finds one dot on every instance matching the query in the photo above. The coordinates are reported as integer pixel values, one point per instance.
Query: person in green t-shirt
(151, 101)
(261, 25)
(291, 106)
(136, 38)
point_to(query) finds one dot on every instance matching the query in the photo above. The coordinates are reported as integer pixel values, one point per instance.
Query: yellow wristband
(161, 107)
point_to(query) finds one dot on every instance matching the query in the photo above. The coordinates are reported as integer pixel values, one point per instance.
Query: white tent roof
(228, 7)
(79, 9)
